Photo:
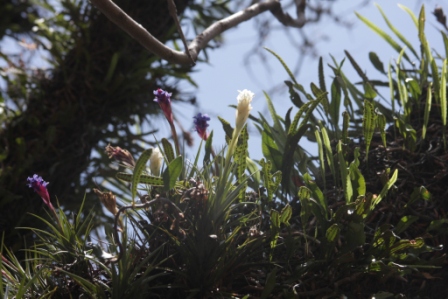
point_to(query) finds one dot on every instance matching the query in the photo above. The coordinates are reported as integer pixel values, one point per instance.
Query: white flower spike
(155, 161)
(243, 109)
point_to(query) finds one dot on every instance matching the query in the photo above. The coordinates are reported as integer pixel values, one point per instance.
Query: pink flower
(40, 187)
(200, 123)
(164, 100)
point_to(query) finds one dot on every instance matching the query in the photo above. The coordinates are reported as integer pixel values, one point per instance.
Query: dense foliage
(364, 217)
(78, 83)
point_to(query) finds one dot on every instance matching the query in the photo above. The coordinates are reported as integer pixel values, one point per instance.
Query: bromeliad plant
(364, 216)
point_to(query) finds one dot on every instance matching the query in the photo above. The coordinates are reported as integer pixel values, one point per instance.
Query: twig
(140, 34)
(173, 12)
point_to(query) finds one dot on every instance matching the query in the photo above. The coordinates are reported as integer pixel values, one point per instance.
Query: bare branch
(173, 12)
(129, 25)
(140, 34)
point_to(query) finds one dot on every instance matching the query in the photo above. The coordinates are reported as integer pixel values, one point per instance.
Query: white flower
(155, 161)
(243, 109)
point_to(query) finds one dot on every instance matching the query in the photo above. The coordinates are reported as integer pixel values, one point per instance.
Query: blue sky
(226, 72)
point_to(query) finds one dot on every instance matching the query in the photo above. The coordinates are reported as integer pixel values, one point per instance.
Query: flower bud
(200, 123)
(155, 161)
(164, 99)
(243, 109)
(121, 155)
(108, 199)
(40, 187)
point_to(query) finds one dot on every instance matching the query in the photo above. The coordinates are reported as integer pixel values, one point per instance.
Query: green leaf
(345, 126)
(356, 177)
(286, 214)
(406, 244)
(112, 66)
(208, 149)
(335, 104)
(381, 124)
(355, 235)
(328, 151)
(418, 193)
(168, 150)
(138, 170)
(428, 104)
(385, 189)
(321, 93)
(172, 173)
(144, 179)
(391, 87)
(291, 75)
(275, 218)
(321, 154)
(272, 111)
(369, 91)
(375, 60)
(438, 225)
(411, 13)
(396, 32)
(316, 192)
(271, 181)
(383, 34)
(443, 104)
(333, 232)
(346, 182)
(368, 124)
(293, 95)
(445, 42)
(424, 45)
(227, 128)
(270, 149)
(270, 284)
(404, 223)
(357, 67)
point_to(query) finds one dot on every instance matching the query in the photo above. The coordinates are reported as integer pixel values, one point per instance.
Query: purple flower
(164, 100)
(40, 187)
(201, 125)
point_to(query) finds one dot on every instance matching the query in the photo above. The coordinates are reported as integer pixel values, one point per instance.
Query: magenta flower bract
(164, 99)
(200, 123)
(40, 187)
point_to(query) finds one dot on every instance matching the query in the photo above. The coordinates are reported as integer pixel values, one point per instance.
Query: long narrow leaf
(144, 179)
(138, 171)
(428, 104)
(291, 75)
(383, 34)
(168, 150)
(411, 13)
(396, 32)
(368, 124)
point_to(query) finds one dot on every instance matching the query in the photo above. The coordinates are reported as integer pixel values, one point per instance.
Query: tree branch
(140, 34)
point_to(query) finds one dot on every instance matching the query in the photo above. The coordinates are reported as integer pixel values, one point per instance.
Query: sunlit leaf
(333, 232)
(168, 150)
(138, 170)
(368, 124)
